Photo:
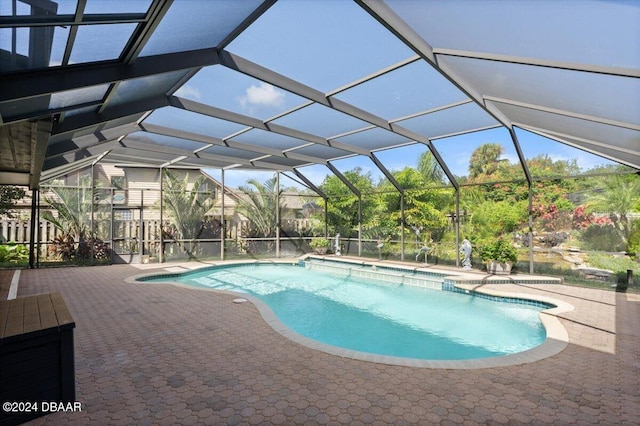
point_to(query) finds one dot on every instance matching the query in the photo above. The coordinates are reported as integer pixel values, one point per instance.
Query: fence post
(32, 239)
(223, 225)
(277, 214)
(39, 231)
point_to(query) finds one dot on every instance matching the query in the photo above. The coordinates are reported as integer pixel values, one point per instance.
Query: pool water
(382, 318)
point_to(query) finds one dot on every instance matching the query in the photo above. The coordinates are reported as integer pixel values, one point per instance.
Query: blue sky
(327, 48)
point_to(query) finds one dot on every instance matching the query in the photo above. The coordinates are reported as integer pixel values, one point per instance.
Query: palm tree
(620, 195)
(187, 208)
(485, 159)
(430, 168)
(259, 206)
(73, 206)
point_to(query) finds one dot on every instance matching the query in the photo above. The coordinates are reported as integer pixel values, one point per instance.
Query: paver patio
(160, 354)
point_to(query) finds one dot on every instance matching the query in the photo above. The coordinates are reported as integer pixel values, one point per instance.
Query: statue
(465, 250)
(337, 245)
(379, 246)
(424, 250)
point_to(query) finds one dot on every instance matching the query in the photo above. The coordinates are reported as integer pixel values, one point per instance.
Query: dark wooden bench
(36, 354)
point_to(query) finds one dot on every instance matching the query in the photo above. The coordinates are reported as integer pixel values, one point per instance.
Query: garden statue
(337, 246)
(465, 249)
(424, 250)
(379, 246)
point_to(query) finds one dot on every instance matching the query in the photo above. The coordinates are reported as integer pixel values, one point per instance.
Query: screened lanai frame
(101, 110)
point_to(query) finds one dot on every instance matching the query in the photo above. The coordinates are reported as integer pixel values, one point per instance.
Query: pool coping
(557, 337)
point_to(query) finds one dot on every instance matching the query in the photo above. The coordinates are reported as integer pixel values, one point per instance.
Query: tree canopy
(9, 195)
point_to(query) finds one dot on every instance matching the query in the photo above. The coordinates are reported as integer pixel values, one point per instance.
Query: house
(126, 209)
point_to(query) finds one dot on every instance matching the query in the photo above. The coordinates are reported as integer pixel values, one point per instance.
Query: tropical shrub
(13, 253)
(63, 247)
(499, 250)
(633, 247)
(101, 249)
(72, 208)
(496, 218)
(319, 243)
(73, 211)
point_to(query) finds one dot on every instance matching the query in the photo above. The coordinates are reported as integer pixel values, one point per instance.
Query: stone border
(557, 337)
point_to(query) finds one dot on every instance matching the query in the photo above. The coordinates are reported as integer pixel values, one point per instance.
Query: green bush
(603, 238)
(495, 218)
(499, 250)
(13, 253)
(633, 246)
(319, 242)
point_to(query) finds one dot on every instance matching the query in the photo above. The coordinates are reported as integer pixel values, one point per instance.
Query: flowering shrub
(582, 219)
(552, 218)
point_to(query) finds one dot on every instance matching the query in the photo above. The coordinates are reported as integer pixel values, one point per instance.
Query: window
(118, 182)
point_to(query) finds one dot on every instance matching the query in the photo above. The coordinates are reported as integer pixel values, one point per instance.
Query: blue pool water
(379, 317)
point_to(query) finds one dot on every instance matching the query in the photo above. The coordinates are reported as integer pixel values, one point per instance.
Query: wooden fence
(18, 231)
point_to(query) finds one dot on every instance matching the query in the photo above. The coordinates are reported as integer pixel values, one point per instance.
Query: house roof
(124, 81)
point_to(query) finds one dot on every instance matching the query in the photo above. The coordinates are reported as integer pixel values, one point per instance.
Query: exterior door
(126, 235)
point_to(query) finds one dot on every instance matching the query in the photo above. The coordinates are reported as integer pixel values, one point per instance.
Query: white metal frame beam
(603, 150)
(546, 63)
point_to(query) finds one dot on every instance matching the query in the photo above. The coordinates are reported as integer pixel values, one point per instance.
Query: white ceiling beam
(546, 63)
(604, 150)
(565, 113)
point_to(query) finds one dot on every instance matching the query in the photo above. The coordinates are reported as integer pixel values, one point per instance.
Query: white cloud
(188, 91)
(262, 95)
(512, 158)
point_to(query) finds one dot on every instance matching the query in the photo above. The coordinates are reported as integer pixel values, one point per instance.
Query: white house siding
(143, 183)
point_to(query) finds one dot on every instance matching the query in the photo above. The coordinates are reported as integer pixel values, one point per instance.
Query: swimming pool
(376, 317)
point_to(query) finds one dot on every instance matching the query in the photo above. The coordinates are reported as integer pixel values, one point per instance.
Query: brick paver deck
(160, 354)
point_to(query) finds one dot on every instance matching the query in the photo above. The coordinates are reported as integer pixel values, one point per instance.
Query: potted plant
(498, 255)
(319, 245)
